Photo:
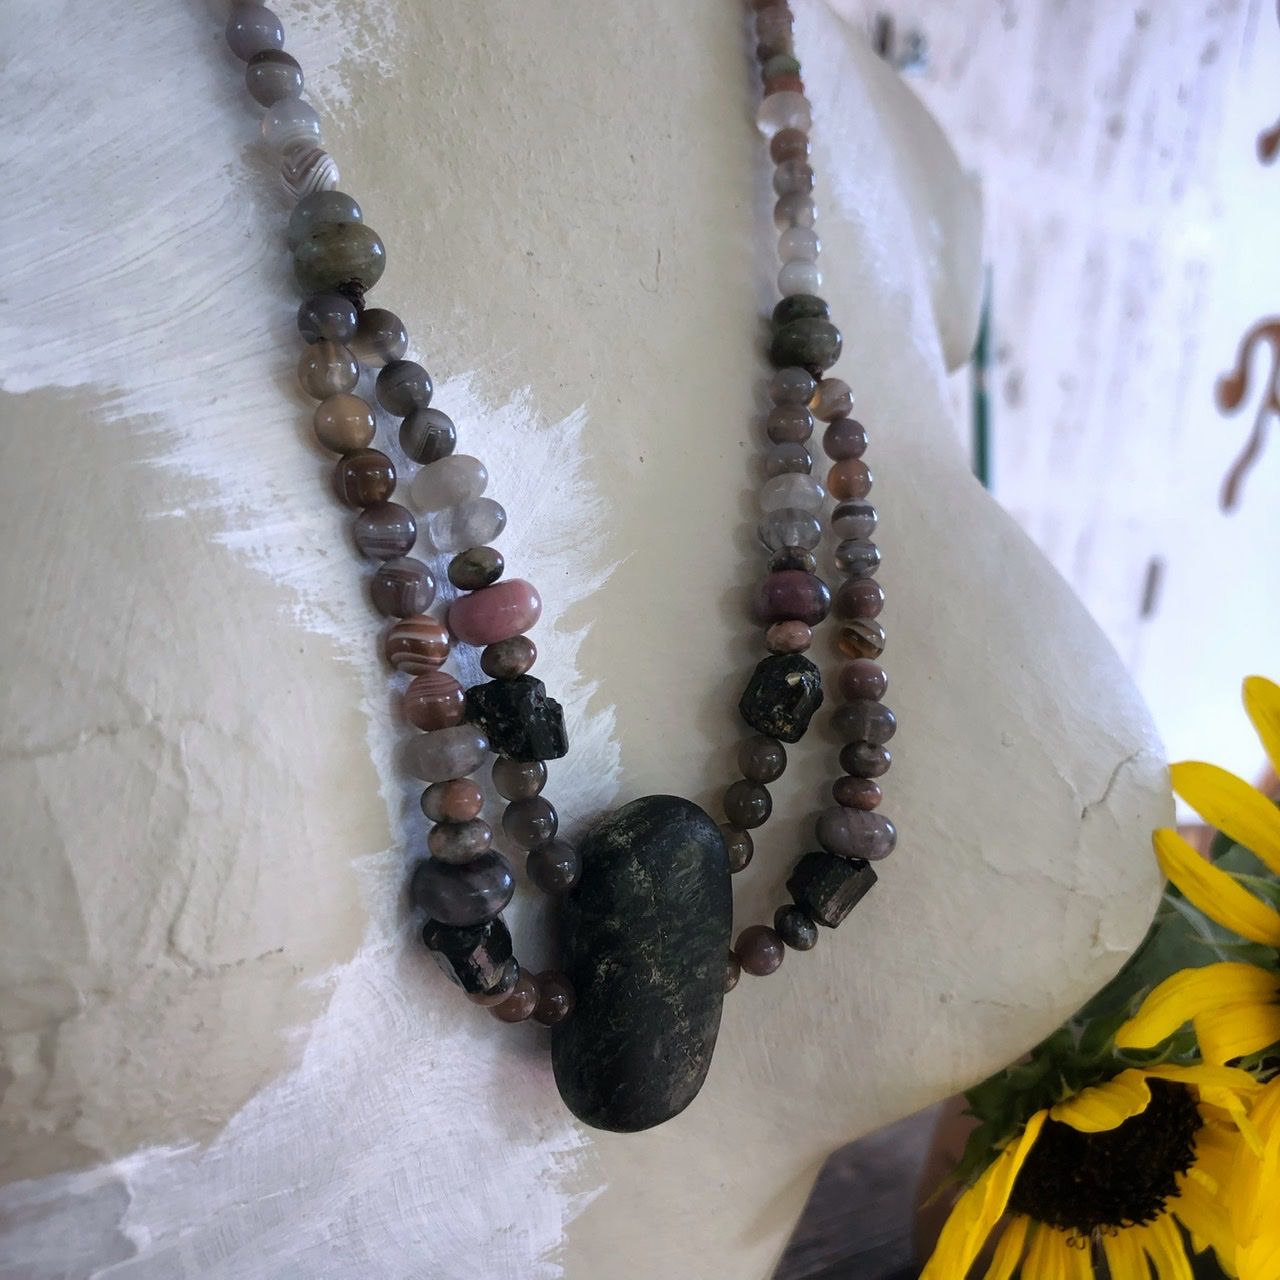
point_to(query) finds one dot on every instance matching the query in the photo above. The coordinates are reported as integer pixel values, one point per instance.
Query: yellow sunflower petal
(1047, 1256)
(979, 1209)
(1232, 806)
(1106, 1105)
(1238, 1030)
(1009, 1250)
(1214, 892)
(1080, 1260)
(1181, 997)
(1262, 702)
(1253, 1192)
(1205, 1216)
(1125, 1259)
(1164, 1247)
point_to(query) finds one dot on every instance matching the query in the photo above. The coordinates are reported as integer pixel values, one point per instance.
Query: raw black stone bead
(826, 888)
(474, 956)
(811, 344)
(647, 928)
(800, 306)
(521, 722)
(783, 693)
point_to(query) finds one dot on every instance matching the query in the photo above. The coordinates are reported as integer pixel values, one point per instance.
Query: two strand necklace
(646, 904)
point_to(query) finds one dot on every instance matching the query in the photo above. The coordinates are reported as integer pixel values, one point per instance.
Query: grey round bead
(320, 208)
(459, 842)
(747, 804)
(380, 338)
(786, 459)
(554, 867)
(792, 177)
(272, 75)
(790, 527)
(864, 720)
(792, 386)
(427, 435)
(789, 424)
(253, 28)
(844, 438)
(530, 822)
(795, 928)
(854, 520)
(328, 317)
(462, 895)
(519, 779)
(762, 759)
(403, 386)
(857, 557)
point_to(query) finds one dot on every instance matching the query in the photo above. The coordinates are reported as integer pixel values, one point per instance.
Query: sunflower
(1233, 1006)
(1253, 1192)
(1114, 1170)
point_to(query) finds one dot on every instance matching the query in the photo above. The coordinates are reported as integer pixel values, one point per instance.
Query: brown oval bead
(459, 842)
(417, 644)
(739, 846)
(519, 779)
(859, 598)
(844, 438)
(793, 596)
(849, 479)
(555, 999)
(788, 637)
(385, 531)
(402, 587)
(520, 1004)
(344, 423)
(364, 477)
(732, 971)
(458, 800)
(508, 658)
(759, 950)
(434, 700)
(851, 833)
(856, 793)
(865, 759)
(862, 638)
(788, 144)
(863, 678)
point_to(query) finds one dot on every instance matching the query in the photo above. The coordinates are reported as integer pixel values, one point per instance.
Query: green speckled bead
(338, 253)
(319, 209)
(800, 306)
(781, 64)
(475, 568)
(812, 343)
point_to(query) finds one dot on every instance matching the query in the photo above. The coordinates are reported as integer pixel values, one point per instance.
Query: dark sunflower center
(1122, 1177)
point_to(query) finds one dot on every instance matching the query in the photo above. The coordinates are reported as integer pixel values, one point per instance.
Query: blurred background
(1124, 397)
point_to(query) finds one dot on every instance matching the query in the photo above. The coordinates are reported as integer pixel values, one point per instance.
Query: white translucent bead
(448, 481)
(786, 110)
(799, 244)
(306, 170)
(795, 490)
(799, 277)
(794, 210)
(291, 123)
(469, 524)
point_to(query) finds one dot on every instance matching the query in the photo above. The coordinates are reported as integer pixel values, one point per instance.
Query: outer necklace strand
(464, 884)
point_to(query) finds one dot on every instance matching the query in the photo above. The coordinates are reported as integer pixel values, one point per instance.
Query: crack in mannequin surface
(577, 208)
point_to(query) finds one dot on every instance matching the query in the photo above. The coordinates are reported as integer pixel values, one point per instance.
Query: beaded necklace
(636, 1010)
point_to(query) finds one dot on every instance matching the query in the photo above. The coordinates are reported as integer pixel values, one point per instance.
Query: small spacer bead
(856, 793)
(555, 998)
(788, 637)
(519, 1006)
(457, 800)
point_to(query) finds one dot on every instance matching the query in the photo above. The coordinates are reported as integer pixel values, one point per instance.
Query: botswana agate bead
(793, 596)
(853, 833)
(863, 678)
(434, 700)
(495, 613)
(402, 587)
(271, 75)
(865, 721)
(380, 337)
(344, 423)
(385, 531)
(417, 644)
(364, 477)
(859, 598)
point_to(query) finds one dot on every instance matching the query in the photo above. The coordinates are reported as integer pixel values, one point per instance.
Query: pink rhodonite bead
(495, 613)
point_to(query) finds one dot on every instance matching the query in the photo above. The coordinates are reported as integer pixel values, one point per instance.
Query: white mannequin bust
(205, 816)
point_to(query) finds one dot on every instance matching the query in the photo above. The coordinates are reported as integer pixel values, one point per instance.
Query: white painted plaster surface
(224, 1055)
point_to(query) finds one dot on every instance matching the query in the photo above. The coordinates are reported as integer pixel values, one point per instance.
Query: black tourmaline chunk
(826, 888)
(521, 722)
(646, 933)
(477, 957)
(784, 691)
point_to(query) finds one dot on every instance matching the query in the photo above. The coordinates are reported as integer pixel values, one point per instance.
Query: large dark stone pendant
(646, 932)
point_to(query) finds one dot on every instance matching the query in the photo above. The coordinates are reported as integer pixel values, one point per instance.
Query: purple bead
(855, 833)
(471, 893)
(859, 598)
(844, 438)
(863, 720)
(792, 595)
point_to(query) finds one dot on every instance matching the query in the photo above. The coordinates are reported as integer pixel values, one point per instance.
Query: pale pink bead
(495, 613)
